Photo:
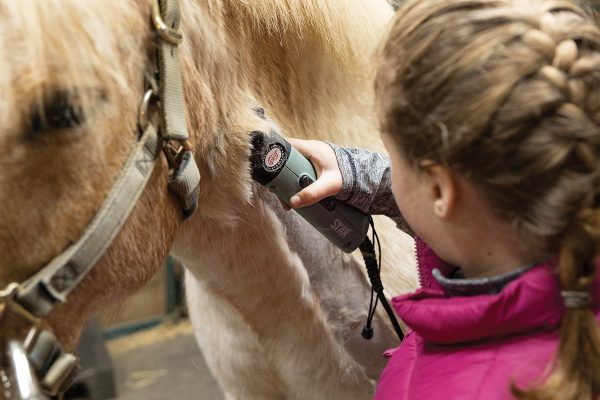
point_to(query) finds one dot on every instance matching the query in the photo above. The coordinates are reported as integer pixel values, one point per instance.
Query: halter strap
(184, 181)
(171, 88)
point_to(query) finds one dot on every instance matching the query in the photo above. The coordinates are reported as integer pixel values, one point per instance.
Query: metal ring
(10, 291)
(166, 33)
(143, 110)
(26, 384)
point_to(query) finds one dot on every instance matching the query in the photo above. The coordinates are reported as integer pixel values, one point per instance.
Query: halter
(33, 365)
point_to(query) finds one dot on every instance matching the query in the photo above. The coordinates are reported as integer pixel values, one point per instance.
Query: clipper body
(285, 171)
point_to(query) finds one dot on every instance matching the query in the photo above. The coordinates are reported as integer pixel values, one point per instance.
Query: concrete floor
(162, 363)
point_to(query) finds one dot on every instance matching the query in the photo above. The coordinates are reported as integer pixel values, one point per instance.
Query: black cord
(373, 271)
(367, 332)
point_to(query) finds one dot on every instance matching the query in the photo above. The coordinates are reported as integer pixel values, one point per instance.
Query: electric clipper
(285, 171)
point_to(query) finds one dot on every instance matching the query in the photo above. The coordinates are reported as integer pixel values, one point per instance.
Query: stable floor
(162, 363)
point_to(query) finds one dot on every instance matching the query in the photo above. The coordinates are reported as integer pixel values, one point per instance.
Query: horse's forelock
(71, 46)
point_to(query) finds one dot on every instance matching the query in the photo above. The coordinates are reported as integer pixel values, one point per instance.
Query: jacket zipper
(420, 274)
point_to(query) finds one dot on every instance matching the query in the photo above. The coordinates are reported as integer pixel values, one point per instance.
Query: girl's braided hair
(507, 93)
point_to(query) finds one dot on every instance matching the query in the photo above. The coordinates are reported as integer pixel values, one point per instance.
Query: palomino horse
(277, 310)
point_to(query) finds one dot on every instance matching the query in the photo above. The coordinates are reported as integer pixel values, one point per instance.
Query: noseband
(33, 366)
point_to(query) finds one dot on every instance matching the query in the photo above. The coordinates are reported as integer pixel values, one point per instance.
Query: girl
(490, 110)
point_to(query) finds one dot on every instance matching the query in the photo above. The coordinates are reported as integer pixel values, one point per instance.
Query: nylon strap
(55, 281)
(185, 180)
(185, 183)
(171, 88)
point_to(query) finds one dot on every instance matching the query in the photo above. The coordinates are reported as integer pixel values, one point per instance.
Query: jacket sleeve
(367, 184)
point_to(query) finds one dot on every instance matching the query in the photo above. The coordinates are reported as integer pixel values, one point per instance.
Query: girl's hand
(329, 177)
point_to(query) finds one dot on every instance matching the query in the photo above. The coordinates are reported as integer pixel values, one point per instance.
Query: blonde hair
(507, 93)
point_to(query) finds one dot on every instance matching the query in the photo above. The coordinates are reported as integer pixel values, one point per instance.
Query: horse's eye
(58, 111)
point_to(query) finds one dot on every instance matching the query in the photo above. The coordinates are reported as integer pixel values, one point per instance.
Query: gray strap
(185, 183)
(54, 282)
(171, 89)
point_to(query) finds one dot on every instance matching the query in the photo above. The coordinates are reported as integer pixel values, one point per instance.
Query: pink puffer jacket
(473, 347)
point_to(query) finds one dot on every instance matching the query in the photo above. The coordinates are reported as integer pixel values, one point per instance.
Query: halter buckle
(166, 33)
(34, 365)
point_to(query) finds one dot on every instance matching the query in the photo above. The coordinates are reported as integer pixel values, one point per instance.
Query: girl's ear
(443, 189)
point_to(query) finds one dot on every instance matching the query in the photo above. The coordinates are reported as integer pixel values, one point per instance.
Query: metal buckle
(18, 377)
(174, 150)
(8, 304)
(166, 33)
(36, 364)
(24, 384)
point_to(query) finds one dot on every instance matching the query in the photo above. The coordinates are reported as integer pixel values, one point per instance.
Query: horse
(276, 309)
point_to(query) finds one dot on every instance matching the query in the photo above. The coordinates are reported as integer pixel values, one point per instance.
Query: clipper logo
(274, 157)
(340, 228)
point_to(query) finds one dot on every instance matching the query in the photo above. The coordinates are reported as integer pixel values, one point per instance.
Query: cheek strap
(57, 279)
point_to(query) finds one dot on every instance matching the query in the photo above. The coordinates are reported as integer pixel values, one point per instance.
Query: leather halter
(35, 366)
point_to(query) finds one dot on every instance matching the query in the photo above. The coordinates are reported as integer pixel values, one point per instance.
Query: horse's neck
(312, 74)
(312, 86)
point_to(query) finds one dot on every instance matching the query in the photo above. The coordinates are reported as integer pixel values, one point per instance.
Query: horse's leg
(253, 268)
(231, 348)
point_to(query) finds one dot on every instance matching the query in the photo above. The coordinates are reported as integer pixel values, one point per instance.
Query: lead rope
(374, 272)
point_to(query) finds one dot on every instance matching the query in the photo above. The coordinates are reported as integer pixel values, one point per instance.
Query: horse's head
(72, 78)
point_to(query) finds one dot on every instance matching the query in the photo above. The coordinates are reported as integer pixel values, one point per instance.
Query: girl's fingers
(327, 185)
(329, 177)
(318, 153)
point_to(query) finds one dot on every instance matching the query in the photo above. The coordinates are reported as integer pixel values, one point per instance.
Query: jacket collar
(529, 302)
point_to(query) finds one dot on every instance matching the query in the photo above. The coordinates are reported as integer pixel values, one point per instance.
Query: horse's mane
(345, 28)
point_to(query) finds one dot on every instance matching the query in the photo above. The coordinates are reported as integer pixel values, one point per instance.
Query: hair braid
(576, 373)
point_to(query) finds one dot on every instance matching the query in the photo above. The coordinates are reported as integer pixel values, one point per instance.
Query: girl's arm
(358, 177)
(367, 183)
